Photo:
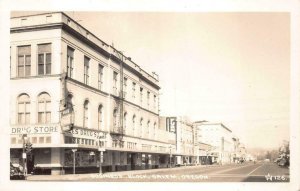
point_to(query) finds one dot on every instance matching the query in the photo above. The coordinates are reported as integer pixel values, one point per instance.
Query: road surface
(247, 172)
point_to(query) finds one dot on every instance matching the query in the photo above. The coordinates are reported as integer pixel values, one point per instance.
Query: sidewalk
(75, 177)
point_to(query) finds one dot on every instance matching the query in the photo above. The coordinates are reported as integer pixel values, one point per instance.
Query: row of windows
(34, 140)
(115, 118)
(43, 58)
(43, 108)
(86, 76)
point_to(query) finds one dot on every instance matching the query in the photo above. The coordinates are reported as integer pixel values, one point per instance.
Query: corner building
(71, 90)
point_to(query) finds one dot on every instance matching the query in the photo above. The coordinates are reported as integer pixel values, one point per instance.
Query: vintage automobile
(16, 173)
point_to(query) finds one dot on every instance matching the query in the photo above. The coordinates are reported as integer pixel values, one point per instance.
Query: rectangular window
(24, 61)
(115, 82)
(133, 89)
(41, 139)
(44, 59)
(70, 62)
(100, 76)
(86, 70)
(125, 87)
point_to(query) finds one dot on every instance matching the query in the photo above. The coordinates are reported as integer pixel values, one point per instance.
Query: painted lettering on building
(87, 133)
(34, 130)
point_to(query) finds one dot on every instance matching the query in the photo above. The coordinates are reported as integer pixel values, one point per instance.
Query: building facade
(219, 137)
(185, 152)
(76, 98)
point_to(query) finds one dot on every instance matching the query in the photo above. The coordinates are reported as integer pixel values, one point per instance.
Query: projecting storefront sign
(86, 133)
(34, 129)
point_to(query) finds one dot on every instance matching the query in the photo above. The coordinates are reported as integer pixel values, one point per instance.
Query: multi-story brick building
(73, 95)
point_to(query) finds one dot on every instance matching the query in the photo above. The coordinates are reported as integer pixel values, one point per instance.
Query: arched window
(133, 124)
(115, 118)
(69, 102)
(23, 109)
(86, 114)
(141, 127)
(125, 122)
(44, 108)
(100, 116)
(148, 129)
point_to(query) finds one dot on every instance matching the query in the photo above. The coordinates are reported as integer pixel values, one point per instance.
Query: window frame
(24, 65)
(86, 75)
(44, 62)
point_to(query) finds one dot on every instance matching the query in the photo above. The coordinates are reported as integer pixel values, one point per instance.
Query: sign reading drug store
(34, 129)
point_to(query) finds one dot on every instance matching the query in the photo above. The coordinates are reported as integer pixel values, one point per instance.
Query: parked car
(16, 173)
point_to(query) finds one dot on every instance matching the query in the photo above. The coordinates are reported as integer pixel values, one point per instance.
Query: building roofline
(214, 123)
(127, 58)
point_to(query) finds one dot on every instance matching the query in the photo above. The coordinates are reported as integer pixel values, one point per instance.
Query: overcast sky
(232, 68)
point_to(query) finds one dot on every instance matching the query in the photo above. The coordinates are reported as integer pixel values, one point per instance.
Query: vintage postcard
(151, 96)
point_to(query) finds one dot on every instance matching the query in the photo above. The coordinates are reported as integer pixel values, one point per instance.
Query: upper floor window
(148, 99)
(148, 129)
(125, 87)
(141, 127)
(141, 96)
(86, 114)
(115, 118)
(23, 109)
(115, 82)
(100, 76)
(133, 124)
(70, 62)
(133, 89)
(24, 61)
(125, 121)
(44, 59)
(44, 108)
(154, 130)
(86, 70)
(100, 116)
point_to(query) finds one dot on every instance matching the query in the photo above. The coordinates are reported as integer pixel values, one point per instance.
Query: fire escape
(117, 131)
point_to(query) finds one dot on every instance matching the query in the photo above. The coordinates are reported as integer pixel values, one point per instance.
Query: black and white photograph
(97, 96)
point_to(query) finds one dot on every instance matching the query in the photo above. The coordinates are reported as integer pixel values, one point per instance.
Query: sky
(232, 68)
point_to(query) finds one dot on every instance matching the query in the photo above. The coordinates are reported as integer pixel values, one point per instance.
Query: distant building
(219, 137)
(183, 130)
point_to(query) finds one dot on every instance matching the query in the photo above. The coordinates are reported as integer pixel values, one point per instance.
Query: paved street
(248, 172)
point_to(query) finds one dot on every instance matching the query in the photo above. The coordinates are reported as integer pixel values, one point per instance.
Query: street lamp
(74, 150)
(101, 150)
